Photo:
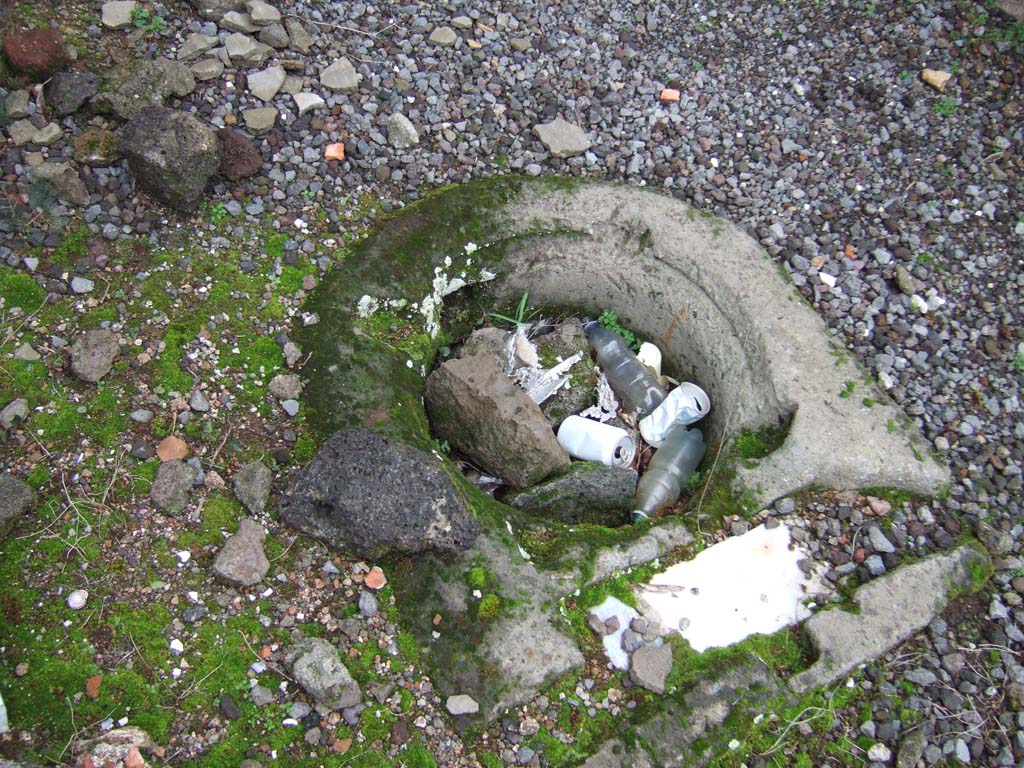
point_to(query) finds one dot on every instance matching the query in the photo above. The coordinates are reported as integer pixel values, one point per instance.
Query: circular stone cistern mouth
(703, 291)
(696, 286)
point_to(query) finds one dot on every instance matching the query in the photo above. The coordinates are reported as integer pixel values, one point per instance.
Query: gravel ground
(805, 122)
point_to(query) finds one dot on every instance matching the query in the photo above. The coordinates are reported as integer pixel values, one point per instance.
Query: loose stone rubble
(907, 249)
(241, 562)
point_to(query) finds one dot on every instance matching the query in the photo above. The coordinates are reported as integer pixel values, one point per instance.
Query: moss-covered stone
(587, 493)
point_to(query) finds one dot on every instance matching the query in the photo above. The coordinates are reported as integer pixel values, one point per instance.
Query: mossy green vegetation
(562, 547)
(771, 733)
(610, 320)
(980, 568)
(63, 412)
(785, 652)
(19, 290)
(895, 496)
(749, 445)
(480, 578)
(368, 370)
(714, 497)
(455, 658)
(220, 516)
(274, 245)
(402, 334)
(416, 756)
(72, 247)
(125, 639)
(102, 143)
(489, 607)
(168, 365)
(58, 647)
(489, 760)
(190, 310)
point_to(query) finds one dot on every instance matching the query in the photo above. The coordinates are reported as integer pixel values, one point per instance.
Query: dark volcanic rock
(37, 54)
(367, 495)
(241, 157)
(68, 91)
(171, 155)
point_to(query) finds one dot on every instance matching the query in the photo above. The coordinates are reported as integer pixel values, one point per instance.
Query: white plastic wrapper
(523, 366)
(607, 404)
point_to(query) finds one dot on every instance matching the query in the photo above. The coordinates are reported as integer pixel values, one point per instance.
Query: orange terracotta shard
(134, 759)
(375, 579)
(335, 151)
(92, 686)
(374, 416)
(172, 448)
(669, 95)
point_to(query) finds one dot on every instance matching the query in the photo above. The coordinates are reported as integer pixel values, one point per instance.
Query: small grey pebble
(367, 605)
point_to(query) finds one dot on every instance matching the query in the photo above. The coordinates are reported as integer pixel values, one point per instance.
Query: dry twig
(711, 472)
(342, 27)
(13, 333)
(197, 683)
(270, 666)
(220, 447)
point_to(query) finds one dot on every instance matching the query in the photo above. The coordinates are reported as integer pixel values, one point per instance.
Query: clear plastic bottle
(637, 390)
(670, 468)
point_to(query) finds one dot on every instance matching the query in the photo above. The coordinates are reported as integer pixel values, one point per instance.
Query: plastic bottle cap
(639, 515)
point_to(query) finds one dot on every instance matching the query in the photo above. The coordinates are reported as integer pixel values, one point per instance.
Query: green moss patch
(19, 290)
